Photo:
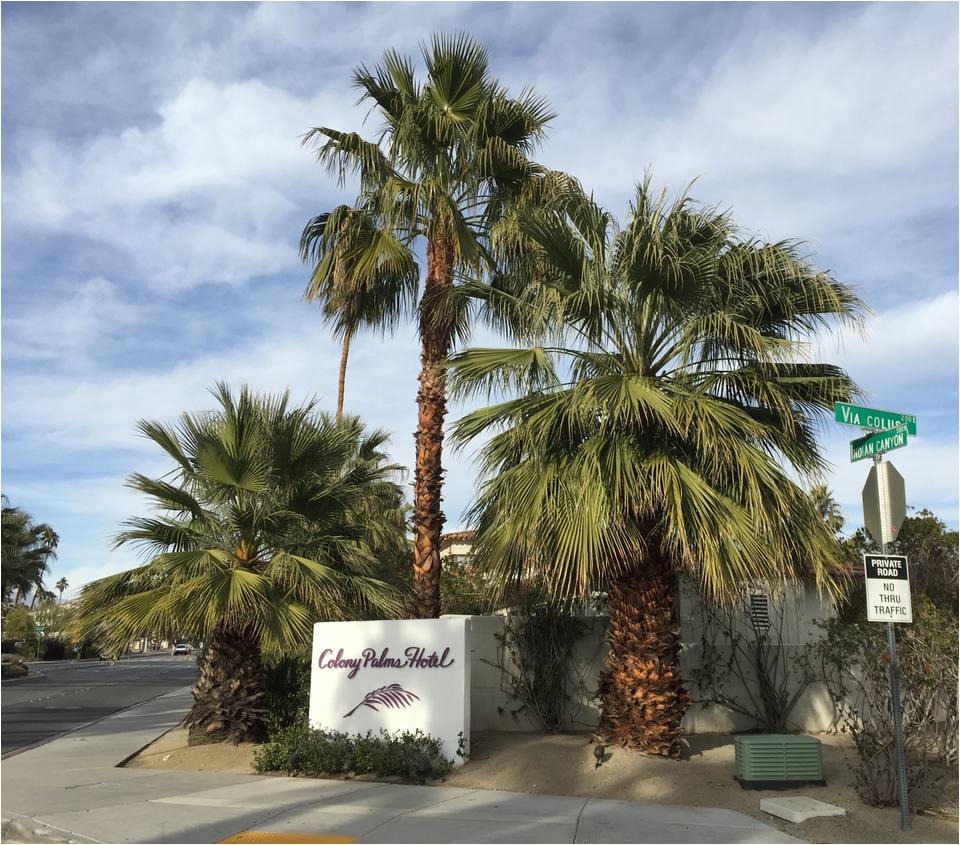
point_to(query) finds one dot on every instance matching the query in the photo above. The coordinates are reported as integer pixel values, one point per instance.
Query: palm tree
(273, 519)
(362, 277)
(27, 549)
(650, 430)
(40, 595)
(827, 507)
(62, 585)
(450, 161)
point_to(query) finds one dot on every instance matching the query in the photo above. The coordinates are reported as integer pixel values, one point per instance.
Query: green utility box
(778, 761)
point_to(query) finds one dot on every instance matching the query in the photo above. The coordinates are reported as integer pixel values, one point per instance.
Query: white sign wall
(397, 675)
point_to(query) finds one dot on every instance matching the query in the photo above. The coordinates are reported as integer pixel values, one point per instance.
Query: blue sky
(154, 190)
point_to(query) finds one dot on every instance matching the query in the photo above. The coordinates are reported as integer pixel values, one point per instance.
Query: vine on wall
(536, 659)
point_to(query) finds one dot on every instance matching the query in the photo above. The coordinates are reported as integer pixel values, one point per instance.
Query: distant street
(76, 692)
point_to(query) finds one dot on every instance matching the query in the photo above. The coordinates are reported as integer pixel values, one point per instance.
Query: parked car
(183, 648)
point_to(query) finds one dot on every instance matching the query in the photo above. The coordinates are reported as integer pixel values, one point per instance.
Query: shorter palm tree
(651, 430)
(62, 585)
(362, 276)
(827, 507)
(274, 519)
(28, 548)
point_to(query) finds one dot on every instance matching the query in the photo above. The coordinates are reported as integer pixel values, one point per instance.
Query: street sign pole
(882, 496)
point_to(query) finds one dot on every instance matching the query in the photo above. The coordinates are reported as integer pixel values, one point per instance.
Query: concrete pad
(442, 830)
(281, 790)
(503, 806)
(398, 798)
(324, 822)
(799, 808)
(148, 823)
(631, 814)
(623, 821)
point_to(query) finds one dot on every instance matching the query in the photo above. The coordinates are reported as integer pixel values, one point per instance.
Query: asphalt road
(73, 693)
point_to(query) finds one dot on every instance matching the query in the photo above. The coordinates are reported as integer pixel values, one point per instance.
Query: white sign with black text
(397, 675)
(888, 588)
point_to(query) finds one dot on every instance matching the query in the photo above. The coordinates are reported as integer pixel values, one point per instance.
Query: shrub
(464, 589)
(54, 649)
(312, 751)
(536, 656)
(855, 661)
(12, 667)
(287, 687)
(746, 662)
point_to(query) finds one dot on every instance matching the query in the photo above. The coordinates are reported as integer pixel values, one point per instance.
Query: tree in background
(62, 585)
(450, 161)
(19, 624)
(932, 551)
(827, 507)
(275, 518)
(27, 549)
(651, 426)
(362, 277)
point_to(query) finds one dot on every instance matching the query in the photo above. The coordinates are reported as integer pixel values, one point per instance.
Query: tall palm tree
(650, 429)
(62, 585)
(273, 519)
(451, 159)
(27, 550)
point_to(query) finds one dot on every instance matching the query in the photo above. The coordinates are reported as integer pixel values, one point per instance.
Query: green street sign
(872, 418)
(39, 629)
(876, 444)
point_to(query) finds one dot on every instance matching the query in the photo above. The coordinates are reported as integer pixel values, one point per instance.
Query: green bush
(855, 662)
(54, 649)
(287, 686)
(311, 751)
(464, 589)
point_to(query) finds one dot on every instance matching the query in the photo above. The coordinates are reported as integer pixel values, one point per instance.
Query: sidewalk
(70, 790)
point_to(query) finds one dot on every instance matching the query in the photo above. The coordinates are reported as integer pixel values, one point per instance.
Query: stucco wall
(492, 705)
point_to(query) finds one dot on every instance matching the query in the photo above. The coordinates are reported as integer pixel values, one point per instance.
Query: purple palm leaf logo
(392, 695)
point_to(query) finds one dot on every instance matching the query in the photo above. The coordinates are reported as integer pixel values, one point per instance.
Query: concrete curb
(27, 830)
(30, 676)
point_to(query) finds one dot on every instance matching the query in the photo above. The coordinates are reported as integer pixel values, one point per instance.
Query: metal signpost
(886, 576)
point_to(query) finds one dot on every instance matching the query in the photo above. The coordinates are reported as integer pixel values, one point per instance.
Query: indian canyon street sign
(395, 675)
(878, 443)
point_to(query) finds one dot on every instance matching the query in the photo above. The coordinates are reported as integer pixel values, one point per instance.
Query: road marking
(264, 836)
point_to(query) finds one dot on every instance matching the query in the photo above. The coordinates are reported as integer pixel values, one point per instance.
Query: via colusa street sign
(873, 419)
(878, 443)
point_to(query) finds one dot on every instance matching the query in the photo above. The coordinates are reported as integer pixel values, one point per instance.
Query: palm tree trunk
(342, 378)
(432, 407)
(643, 699)
(228, 696)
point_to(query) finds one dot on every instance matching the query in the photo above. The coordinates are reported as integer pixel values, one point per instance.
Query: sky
(154, 189)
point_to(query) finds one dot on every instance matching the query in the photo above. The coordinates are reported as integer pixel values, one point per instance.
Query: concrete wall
(492, 704)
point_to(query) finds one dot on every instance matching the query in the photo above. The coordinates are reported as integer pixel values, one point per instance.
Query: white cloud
(202, 195)
(65, 325)
(800, 135)
(929, 467)
(907, 353)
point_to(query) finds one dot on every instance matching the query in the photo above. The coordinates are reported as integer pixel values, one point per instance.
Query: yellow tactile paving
(254, 837)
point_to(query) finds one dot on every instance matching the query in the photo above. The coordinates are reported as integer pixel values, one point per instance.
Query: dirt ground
(564, 764)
